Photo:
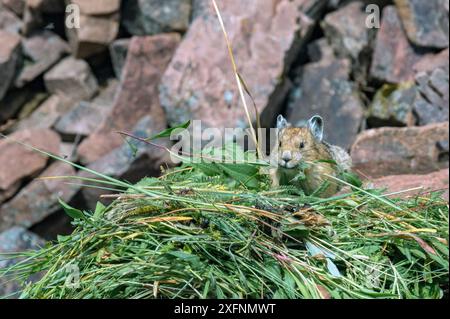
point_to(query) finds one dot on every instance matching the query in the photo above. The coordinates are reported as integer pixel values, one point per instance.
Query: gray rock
(392, 105)
(324, 88)
(320, 50)
(118, 50)
(346, 30)
(148, 17)
(85, 117)
(16, 239)
(426, 22)
(10, 54)
(431, 103)
(46, 115)
(43, 49)
(72, 78)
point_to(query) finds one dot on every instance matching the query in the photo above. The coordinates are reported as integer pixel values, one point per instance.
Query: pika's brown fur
(304, 145)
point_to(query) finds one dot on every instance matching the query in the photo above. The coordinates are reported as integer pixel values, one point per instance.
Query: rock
(121, 163)
(118, 51)
(432, 100)
(17, 6)
(147, 59)
(97, 7)
(149, 17)
(346, 30)
(68, 151)
(392, 105)
(9, 21)
(44, 50)
(433, 61)
(324, 88)
(18, 162)
(410, 150)
(7, 194)
(46, 115)
(86, 117)
(394, 57)
(9, 59)
(425, 22)
(31, 105)
(320, 50)
(34, 11)
(435, 181)
(72, 78)
(199, 82)
(16, 239)
(39, 198)
(14, 100)
(96, 32)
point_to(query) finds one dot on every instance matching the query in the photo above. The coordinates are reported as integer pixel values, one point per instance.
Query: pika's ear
(281, 122)
(315, 125)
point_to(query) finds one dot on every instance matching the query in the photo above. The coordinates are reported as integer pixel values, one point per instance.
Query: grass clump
(219, 231)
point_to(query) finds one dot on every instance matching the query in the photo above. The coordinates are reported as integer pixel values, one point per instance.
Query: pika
(302, 151)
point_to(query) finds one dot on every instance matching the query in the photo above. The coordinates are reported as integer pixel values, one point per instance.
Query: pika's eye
(302, 145)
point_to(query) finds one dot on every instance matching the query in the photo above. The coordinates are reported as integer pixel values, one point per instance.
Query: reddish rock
(85, 117)
(17, 6)
(16, 239)
(97, 7)
(394, 57)
(38, 199)
(46, 115)
(71, 78)
(99, 26)
(425, 22)
(199, 82)
(9, 58)
(433, 61)
(346, 30)
(411, 150)
(18, 162)
(9, 21)
(44, 50)
(436, 181)
(147, 59)
(324, 88)
(148, 17)
(7, 194)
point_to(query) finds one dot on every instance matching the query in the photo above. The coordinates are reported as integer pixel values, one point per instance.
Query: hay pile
(219, 231)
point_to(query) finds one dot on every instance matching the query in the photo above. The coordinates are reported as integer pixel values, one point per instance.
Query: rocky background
(143, 65)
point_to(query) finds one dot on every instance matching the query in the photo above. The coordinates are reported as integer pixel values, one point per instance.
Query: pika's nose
(286, 156)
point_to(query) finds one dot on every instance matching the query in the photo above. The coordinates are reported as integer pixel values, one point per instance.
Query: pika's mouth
(288, 165)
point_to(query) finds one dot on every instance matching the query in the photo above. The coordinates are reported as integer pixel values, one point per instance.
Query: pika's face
(296, 144)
